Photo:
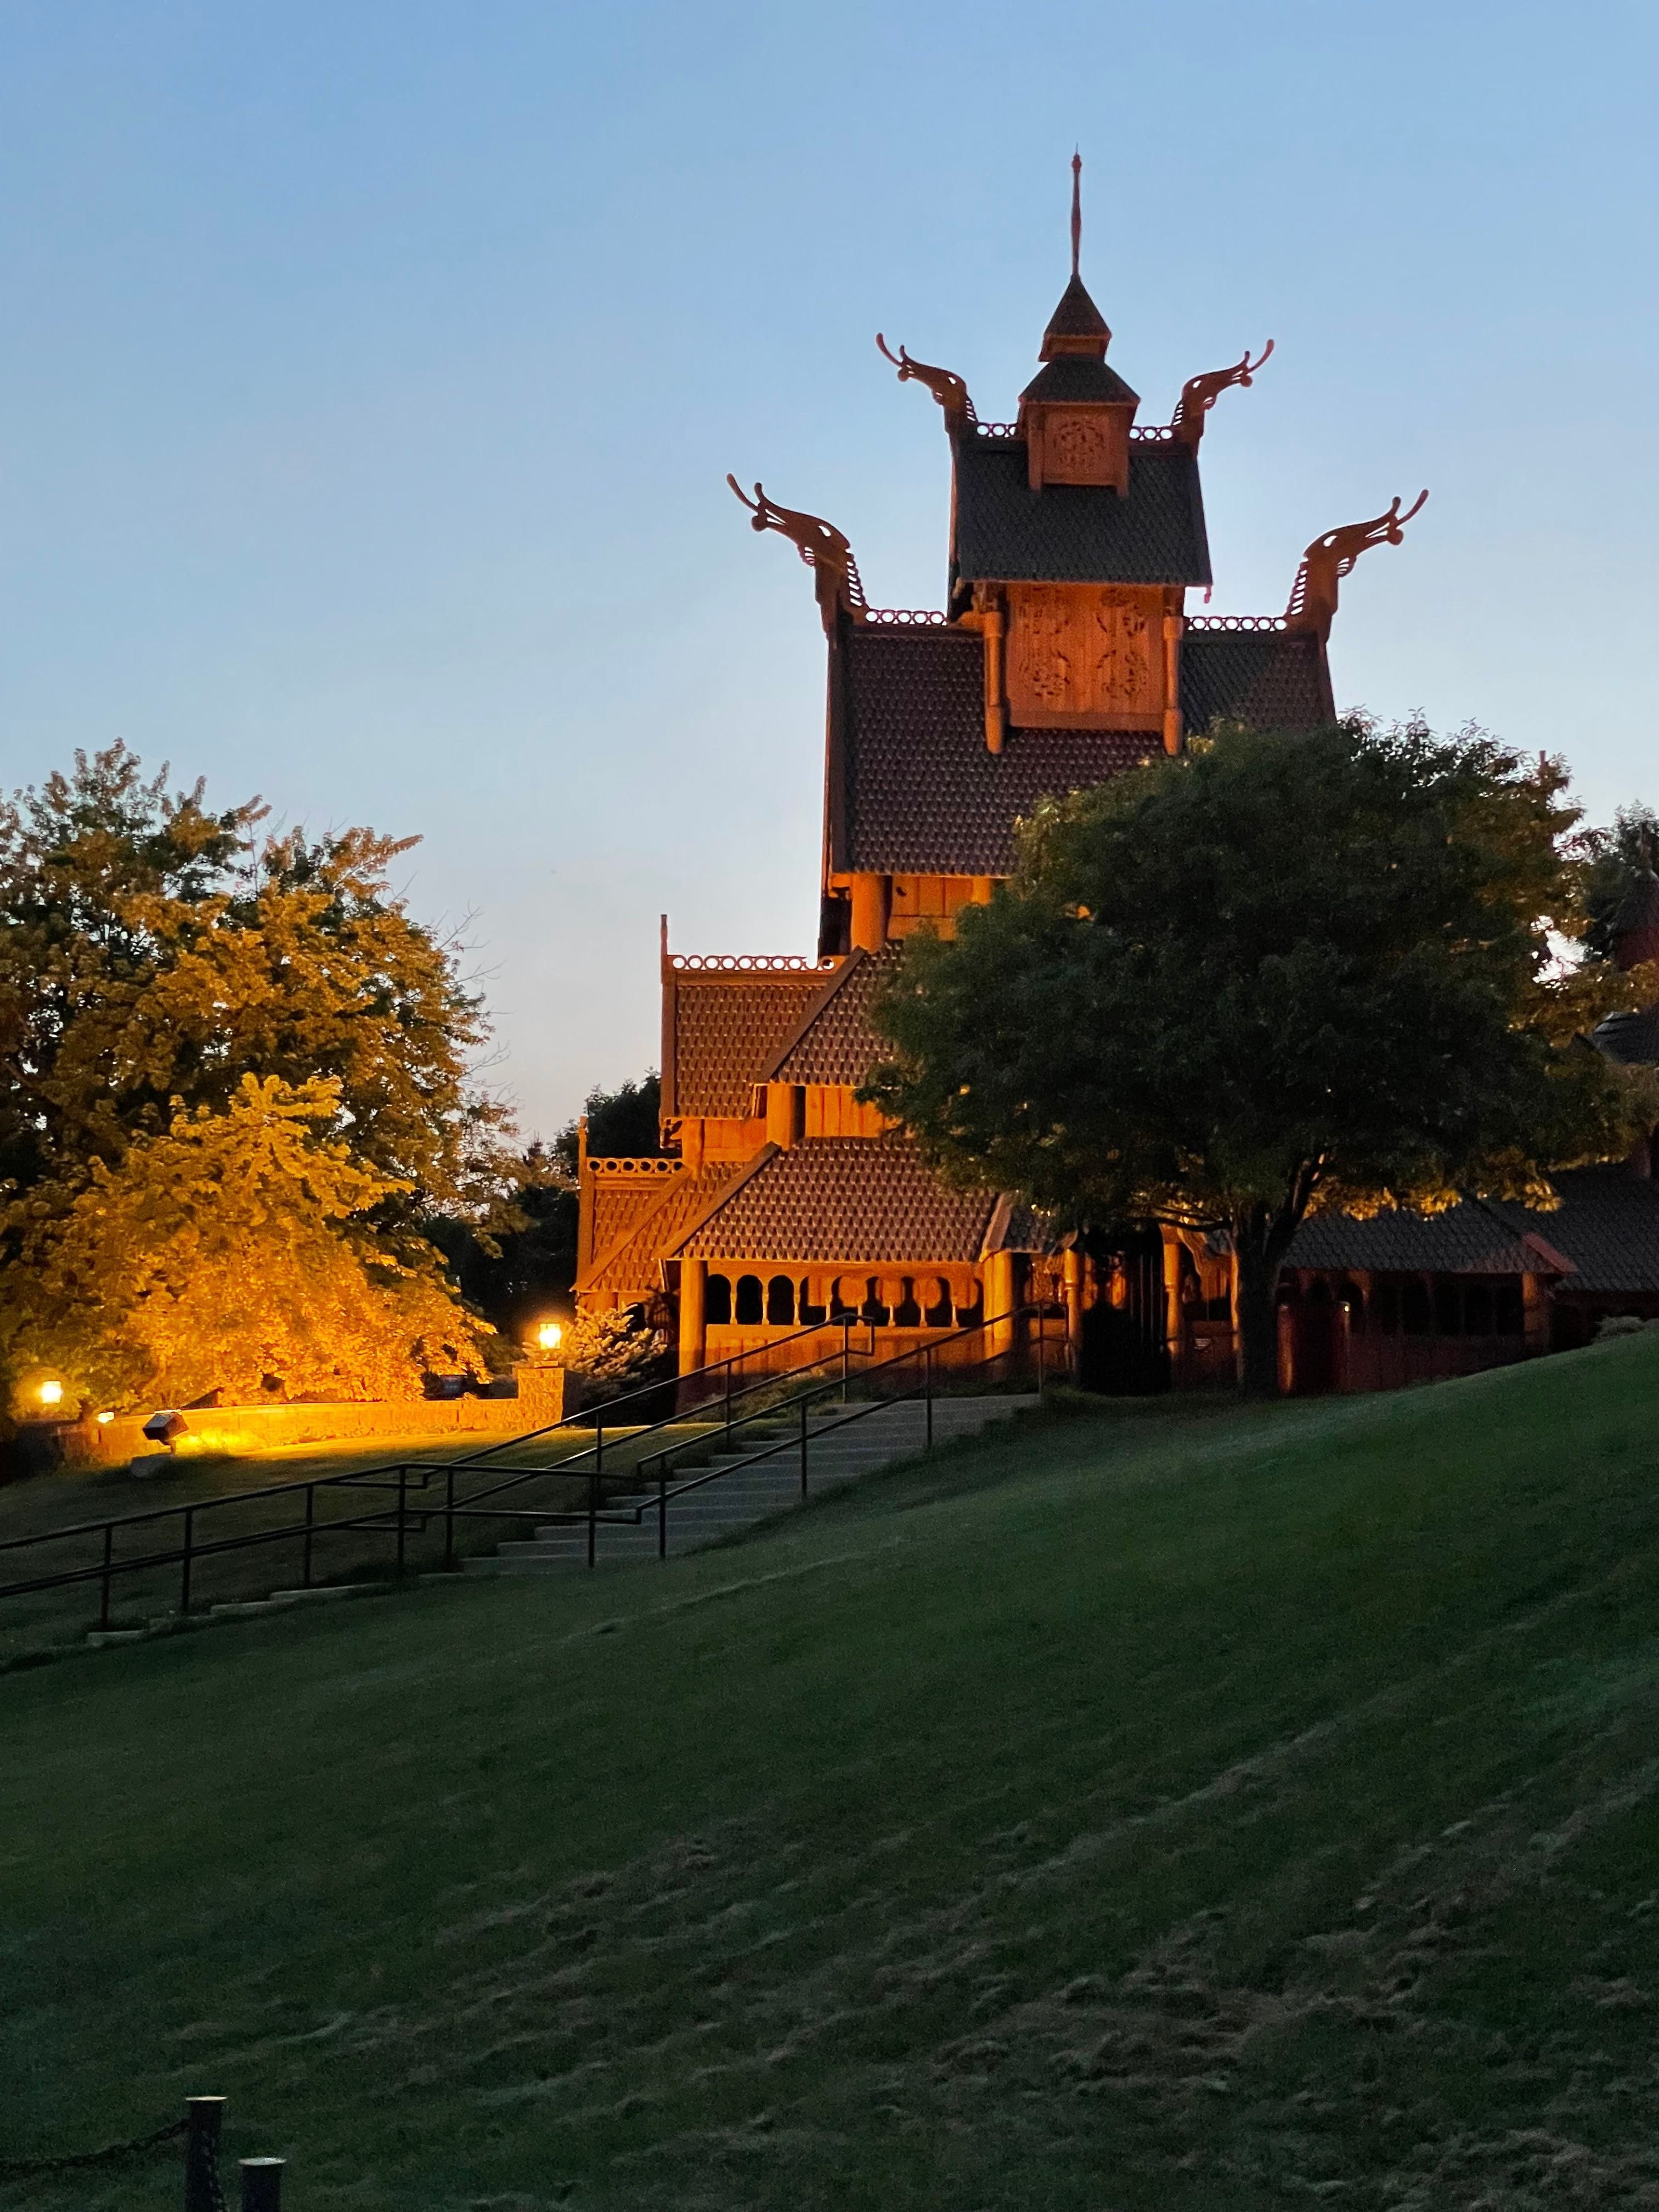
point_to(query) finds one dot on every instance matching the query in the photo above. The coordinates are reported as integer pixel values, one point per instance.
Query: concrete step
(745, 1489)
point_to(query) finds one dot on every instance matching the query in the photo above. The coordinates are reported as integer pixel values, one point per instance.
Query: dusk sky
(369, 373)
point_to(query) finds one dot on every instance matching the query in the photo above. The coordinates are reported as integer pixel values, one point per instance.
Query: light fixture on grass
(104, 1419)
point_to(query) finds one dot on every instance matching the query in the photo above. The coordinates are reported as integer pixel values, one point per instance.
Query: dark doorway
(1124, 1352)
(1316, 1321)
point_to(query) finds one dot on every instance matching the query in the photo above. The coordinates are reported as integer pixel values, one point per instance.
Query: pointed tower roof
(1077, 326)
(1074, 345)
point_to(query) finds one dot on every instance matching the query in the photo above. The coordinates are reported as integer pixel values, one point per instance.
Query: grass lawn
(1169, 1807)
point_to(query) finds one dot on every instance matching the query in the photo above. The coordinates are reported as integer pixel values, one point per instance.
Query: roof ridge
(851, 962)
(745, 1174)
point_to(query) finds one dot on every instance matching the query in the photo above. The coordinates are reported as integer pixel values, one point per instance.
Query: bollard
(203, 2117)
(262, 2183)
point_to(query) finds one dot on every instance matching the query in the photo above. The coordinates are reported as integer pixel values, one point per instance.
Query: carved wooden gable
(1088, 655)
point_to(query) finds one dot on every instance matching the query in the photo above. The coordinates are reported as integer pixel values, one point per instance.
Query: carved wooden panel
(1085, 656)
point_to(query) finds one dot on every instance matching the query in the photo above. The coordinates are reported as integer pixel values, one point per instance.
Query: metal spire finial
(1077, 209)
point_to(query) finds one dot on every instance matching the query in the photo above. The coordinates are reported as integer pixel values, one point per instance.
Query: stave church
(1068, 648)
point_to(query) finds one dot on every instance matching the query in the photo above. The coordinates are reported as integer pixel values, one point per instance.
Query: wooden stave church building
(1065, 653)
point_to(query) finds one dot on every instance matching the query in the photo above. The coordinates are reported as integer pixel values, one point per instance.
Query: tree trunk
(1258, 1317)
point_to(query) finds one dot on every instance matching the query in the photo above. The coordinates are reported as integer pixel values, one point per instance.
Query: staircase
(763, 1482)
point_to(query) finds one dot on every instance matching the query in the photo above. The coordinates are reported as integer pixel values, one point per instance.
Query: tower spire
(1077, 209)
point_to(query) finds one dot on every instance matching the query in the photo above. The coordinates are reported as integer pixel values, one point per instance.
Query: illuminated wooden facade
(1066, 652)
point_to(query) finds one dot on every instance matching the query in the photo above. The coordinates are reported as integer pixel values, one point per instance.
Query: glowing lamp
(51, 1394)
(104, 1419)
(550, 1336)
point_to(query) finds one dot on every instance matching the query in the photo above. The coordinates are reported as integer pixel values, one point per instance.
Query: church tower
(1065, 653)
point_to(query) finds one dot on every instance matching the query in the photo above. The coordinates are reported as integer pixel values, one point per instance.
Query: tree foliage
(153, 950)
(232, 1252)
(1610, 859)
(1281, 973)
(155, 957)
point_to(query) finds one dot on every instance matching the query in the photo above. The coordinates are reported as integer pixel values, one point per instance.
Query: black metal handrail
(594, 1515)
(401, 1516)
(399, 1475)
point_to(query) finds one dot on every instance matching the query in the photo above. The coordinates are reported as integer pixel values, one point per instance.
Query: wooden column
(693, 1305)
(784, 1105)
(1172, 629)
(1073, 1280)
(873, 904)
(998, 1301)
(1172, 1301)
(996, 710)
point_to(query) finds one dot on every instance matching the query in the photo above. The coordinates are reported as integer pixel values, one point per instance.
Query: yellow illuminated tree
(234, 1251)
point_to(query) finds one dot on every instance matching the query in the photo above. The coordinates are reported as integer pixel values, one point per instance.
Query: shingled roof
(1078, 533)
(1274, 679)
(1470, 1239)
(628, 1263)
(1605, 1231)
(913, 786)
(721, 1030)
(1607, 1226)
(850, 1200)
(837, 1042)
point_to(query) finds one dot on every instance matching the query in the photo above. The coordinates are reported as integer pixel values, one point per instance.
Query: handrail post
(311, 1522)
(109, 1547)
(184, 1578)
(403, 1493)
(1043, 1373)
(846, 1352)
(262, 2183)
(803, 1444)
(593, 1513)
(662, 1510)
(730, 1365)
(927, 1389)
(449, 1520)
(204, 2118)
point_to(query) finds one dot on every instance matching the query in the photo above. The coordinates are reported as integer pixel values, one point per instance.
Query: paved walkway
(836, 1455)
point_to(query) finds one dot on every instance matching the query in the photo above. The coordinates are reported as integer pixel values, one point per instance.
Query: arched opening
(780, 1303)
(907, 1314)
(717, 1301)
(1477, 1310)
(751, 1304)
(937, 1314)
(1415, 1317)
(810, 1312)
(873, 1311)
(844, 1293)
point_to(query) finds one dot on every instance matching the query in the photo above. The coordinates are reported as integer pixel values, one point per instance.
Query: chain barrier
(13, 2169)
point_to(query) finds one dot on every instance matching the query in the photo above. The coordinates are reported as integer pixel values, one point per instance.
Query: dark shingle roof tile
(1079, 533)
(922, 791)
(1272, 679)
(848, 1199)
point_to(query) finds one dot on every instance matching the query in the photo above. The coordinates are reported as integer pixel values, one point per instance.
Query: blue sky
(369, 373)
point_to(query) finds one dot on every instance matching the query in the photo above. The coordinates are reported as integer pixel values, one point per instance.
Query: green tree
(155, 955)
(153, 950)
(234, 1251)
(1283, 972)
(1612, 857)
